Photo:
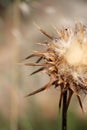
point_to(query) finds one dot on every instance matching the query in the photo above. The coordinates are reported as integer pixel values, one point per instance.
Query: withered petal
(30, 56)
(74, 89)
(37, 91)
(41, 89)
(34, 55)
(55, 83)
(33, 64)
(39, 59)
(40, 69)
(45, 33)
(69, 98)
(60, 101)
(60, 98)
(80, 103)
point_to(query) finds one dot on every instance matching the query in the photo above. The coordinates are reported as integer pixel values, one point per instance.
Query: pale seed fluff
(72, 46)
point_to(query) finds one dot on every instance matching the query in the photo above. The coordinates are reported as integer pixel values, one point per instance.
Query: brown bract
(64, 61)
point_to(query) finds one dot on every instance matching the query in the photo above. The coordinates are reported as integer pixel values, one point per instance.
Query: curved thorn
(39, 59)
(40, 69)
(45, 33)
(41, 89)
(69, 98)
(80, 103)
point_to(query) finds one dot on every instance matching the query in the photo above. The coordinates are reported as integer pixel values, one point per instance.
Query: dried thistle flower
(65, 62)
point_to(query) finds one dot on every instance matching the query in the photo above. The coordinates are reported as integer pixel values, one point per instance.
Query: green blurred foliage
(36, 121)
(5, 2)
(4, 124)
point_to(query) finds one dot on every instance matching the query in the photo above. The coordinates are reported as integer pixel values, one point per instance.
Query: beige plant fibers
(64, 61)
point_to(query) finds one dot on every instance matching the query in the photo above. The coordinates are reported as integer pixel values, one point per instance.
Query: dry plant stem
(64, 111)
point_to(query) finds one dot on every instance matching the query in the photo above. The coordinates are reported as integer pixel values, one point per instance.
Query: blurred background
(18, 36)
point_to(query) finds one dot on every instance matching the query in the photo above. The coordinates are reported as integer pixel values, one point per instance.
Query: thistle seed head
(64, 61)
